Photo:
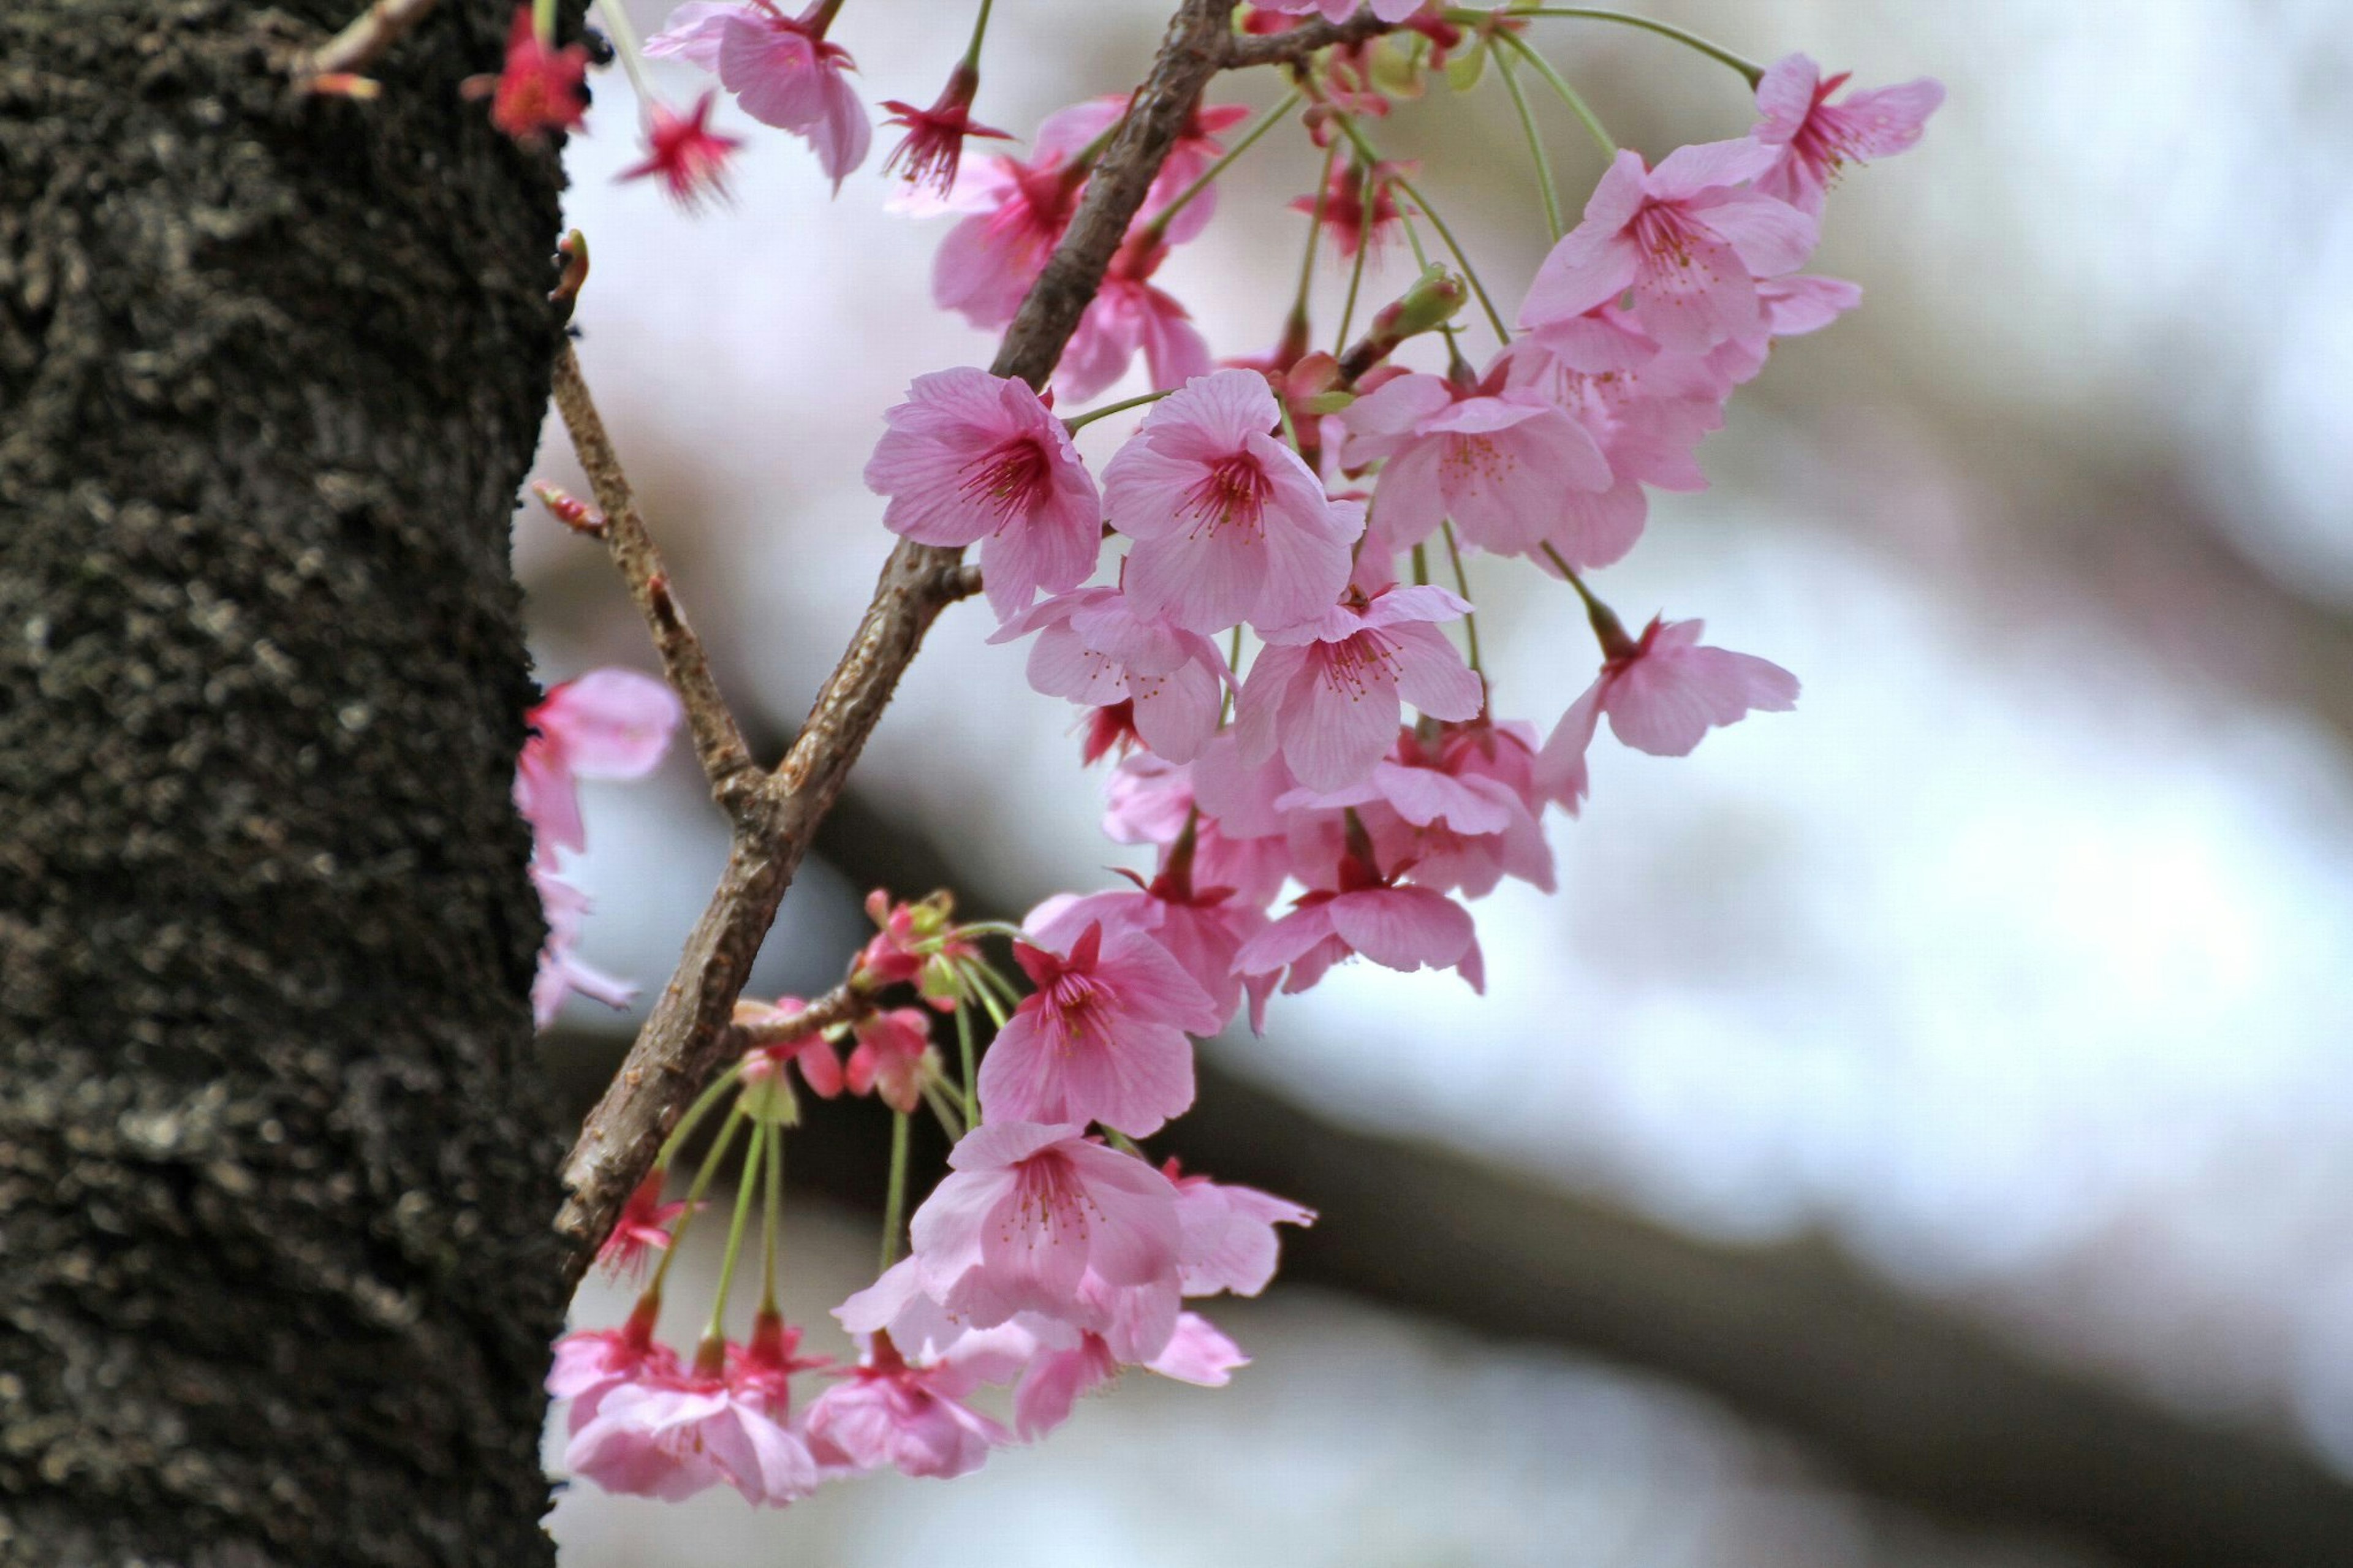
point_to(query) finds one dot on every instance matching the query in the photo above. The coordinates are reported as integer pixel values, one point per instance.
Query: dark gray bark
(276, 1165)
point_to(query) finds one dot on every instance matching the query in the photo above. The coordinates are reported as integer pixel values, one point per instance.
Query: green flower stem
(736, 1224)
(1363, 146)
(1543, 160)
(771, 1219)
(1748, 69)
(979, 31)
(964, 1055)
(1569, 94)
(1357, 268)
(695, 1113)
(1078, 422)
(1314, 238)
(701, 1185)
(894, 1207)
(1264, 123)
(1470, 617)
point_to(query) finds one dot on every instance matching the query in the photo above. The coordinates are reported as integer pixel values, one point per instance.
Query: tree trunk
(276, 1165)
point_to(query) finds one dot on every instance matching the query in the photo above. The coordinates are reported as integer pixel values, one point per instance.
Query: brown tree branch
(1292, 48)
(718, 741)
(364, 39)
(685, 1040)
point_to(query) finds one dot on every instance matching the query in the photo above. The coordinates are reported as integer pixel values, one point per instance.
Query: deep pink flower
(933, 149)
(691, 157)
(1348, 222)
(988, 262)
(1325, 691)
(912, 1418)
(1127, 314)
(561, 971)
(1068, 132)
(666, 1435)
(1663, 694)
(781, 69)
(819, 1066)
(974, 457)
(643, 1227)
(1201, 929)
(606, 724)
(1510, 467)
(893, 1057)
(591, 1363)
(1814, 139)
(1398, 927)
(1093, 647)
(1230, 524)
(1030, 1214)
(911, 946)
(1101, 1038)
(1228, 1241)
(1686, 237)
(540, 89)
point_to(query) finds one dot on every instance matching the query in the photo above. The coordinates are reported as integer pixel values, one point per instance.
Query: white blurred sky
(2013, 958)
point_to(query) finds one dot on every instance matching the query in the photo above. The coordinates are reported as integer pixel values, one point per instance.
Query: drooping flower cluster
(1240, 599)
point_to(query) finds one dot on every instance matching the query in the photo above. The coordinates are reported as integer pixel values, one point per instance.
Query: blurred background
(1917, 1133)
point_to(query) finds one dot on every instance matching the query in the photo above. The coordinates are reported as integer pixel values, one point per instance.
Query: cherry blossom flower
(1794, 306)
(1199, 1352)
(562, 971)
(1341, 10)
(540, 89)
(912, 946)
(643, 1227)
(1508, 465)
(1230, 524)
(1227, 1234)
(812, 1054)
(689, 157)
(1325, 691)
(606, 724)
(912, 1418)
(1057, 1379)
(933, 149)
(1348, 221)
(1395, 926)
(781, 71)
(1687, 239)
(1127, 314)
(1814, 139)
(1647, 409)
(974, 457)
(1200, 929)
(1151, 802)
(1101, 1038)
(591, 1363)
(669, 1435)
(988, 262)
(893, 1057)
(1093, 647)
(1068, 132)
(1030, 1214)
(1459, 829)
(1663, 694)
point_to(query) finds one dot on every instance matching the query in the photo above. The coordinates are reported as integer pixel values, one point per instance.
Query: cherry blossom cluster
(1239, 595)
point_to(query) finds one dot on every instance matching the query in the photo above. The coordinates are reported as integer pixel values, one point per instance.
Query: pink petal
(611, 723)
(1199, 1353)
(1403, 928)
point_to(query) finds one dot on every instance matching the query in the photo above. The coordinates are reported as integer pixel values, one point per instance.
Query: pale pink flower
(1794, 306)
(1458, 829)
(1686, 237)
(1507, 465)
(1068, 132)
(606, 724)
(912, 1418)
(1199, 1352)
(1661, 694)
(974, 457)
(1200, 929)
(1057, 1379)
(1093, 647)
(1325, 691)
(1230, 524)
(1101, 1038)
(1127, 314)
(1648, 417)
(1398, 927)
(591, 1363)
(1029, 1215)
(671, 1436)
(1813, 139)
(988, 262)
(781, 71)
(1341, 10)
(893, 1057)
(1228, 1241)
(1150, 801)
(562, 971)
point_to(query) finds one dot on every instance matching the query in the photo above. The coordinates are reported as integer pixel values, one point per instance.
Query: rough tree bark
(276, 1166)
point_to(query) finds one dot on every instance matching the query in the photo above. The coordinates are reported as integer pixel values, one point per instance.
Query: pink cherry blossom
(912, 1418)
(931, 152)
(1813, 139)
(1686, 237)
(1068, 132)
(893, 1057)
(813, 1054)
(1129, 314)
(540, 89)
(1794, 306)
(669, 1435)
(562, 971)
(781, 71)
(592, 1363)
(1348, 222)
(1199, 1352)
(1460, 830)
(1325, 691)
(1228, 1241)
(1395, 926)
(1151, 801)
(912, 946)
(685, 154)
(1101, 1038)
(606, 724)
(988, 262)
(974, 457)
(1057, 1379)
(1341, 10)
(1507, 465)
(1093, 647)
(1661, 694)
(1030, 1214)
(1201, 929)
(1230, 524)
(643, 1227)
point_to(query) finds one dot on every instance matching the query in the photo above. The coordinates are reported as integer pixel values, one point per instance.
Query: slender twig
(1537, 153)
(1292, 48)
(364, 39)
(1567, 94)
(718, 742)
(685, 1040)
(1749, 68)
(845, 1003)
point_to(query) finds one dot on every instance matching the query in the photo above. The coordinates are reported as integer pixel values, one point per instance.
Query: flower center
(1047, 1197)
(1233, 493)
(1009, 479)
(1357, 665)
